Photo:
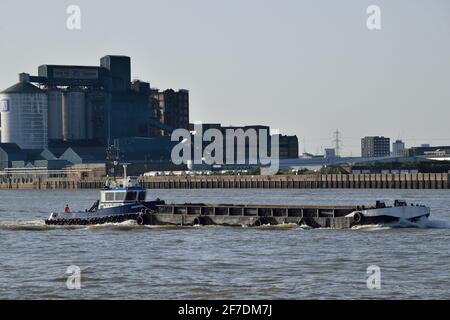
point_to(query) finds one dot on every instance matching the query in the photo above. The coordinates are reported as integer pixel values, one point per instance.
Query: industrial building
(288, 145)
(24, 113)
(375, 147)
(173, 106)
(87, 106)
(75, 114)
(70, 115)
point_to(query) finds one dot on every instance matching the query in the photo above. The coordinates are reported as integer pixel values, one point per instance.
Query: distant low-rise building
(437, 152)
(375, 147)
(12, 156)
(9, 153)
(84, 155)
(398, 148)
(330, 153)
(288, 147)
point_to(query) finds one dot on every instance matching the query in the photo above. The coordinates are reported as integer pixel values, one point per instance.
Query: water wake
(423, 223)
(32, 225)
(281, 226)
(438, 224)
(39, 225)
(126, 225)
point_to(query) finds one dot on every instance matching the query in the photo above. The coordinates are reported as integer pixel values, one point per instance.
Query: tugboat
(118, 203)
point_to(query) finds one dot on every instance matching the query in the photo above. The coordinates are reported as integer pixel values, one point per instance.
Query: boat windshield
(131, 196)
(135, 195)
(120, 196)
(109, 196)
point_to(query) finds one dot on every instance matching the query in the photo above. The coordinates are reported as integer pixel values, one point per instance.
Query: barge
(128, 201)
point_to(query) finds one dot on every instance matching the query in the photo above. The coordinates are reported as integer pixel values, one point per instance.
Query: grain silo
(55, 125)
(23, 110)
(74, 115)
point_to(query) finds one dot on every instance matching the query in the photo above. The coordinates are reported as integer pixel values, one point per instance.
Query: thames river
(126, 261)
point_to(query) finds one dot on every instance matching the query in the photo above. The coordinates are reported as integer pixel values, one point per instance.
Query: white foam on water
(304, 227)
(39, 225)
(31, 225)
(371, 227)
(281, 226)
(170, 226)
(125, 225)
(423, 223)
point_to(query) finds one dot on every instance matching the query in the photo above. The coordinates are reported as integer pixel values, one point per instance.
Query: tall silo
(24, 116)
(74, 114)
(55, 124)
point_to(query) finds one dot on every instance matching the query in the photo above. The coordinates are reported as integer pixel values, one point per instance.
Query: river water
(126, 261)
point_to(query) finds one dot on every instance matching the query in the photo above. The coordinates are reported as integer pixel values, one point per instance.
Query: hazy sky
(304, 67)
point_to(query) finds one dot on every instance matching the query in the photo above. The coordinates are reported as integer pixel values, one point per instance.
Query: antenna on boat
(125, 165)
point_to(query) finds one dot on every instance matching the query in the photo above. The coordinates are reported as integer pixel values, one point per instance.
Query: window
(109, 196)
(142, 196)
(131, 196)
(120, 196)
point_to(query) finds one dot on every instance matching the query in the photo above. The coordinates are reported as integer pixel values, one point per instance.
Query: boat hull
(159, 213)
(390, 214)
(106, 215)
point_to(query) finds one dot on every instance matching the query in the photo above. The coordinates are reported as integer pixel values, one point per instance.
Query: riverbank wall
(316, 181)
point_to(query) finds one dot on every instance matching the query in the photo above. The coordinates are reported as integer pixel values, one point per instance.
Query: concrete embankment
(316, 181)
(319, 181)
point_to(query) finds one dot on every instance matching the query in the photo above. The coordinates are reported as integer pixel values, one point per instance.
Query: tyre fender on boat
(357, 217)
(260, 222)
(140, 220)
(197, 221)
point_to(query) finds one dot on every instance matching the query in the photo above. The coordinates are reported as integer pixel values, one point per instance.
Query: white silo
(23, 110)
(74, 115)
(55, 126)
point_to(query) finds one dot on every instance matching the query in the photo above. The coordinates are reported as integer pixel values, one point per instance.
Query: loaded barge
(128, 201)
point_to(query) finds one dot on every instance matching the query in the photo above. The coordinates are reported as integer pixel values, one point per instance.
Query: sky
(305, 67)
